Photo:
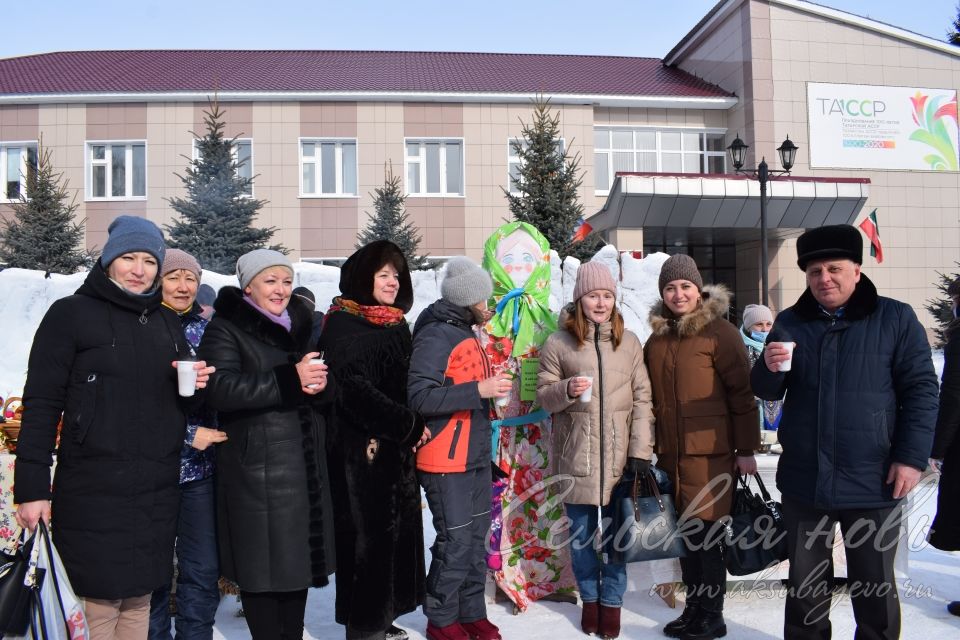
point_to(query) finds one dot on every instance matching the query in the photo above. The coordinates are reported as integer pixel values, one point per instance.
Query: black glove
(637, 466)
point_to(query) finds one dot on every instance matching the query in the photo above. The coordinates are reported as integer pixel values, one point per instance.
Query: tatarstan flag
(872, 229)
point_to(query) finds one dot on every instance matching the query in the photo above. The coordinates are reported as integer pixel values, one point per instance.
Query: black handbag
(756, 536)
(644, 522)
(15, 597)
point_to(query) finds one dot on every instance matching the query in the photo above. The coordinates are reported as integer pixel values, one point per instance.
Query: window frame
(317, 162)
(4, 159)
(515, 159)
(442, 160)
(704, 153)
(89, 163)
(195, 155)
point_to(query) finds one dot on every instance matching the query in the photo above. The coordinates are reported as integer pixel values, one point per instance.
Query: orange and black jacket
(446, 365)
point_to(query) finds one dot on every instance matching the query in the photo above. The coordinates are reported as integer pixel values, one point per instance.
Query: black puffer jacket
(273, 499)
(861, 394)
(102, 357)
(945, 530)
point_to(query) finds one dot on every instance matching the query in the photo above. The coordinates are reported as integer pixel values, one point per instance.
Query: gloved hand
(637, 466)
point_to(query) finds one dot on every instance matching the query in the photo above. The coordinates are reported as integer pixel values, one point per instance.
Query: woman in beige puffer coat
(594, 441)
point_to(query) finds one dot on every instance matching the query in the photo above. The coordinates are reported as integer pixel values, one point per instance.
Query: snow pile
(27, 295)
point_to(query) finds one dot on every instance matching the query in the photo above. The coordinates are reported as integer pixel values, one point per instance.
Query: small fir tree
(390, 221)
(42, 234)
(216, 217)
(953, 34)
(940, 308)
(546, 190)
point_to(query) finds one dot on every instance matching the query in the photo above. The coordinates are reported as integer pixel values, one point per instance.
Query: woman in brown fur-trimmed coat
(706, 426)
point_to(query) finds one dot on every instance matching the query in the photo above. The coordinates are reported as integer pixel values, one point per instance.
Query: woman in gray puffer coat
(596, 439)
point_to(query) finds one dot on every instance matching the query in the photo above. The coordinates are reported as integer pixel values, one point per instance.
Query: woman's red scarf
(380, 315)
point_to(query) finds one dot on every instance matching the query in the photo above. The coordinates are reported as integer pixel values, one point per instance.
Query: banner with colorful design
(854, 126)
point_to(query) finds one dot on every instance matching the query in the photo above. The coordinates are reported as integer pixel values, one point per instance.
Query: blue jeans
(596, 580)
(198, 595)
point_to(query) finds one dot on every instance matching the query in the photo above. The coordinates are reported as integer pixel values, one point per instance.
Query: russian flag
(581, 231)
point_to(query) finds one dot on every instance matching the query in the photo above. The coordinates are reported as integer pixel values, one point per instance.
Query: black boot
(706, 626)
(676, 628)
(954, 608)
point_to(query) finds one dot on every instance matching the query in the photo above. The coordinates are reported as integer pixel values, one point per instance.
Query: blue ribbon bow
(514, 295)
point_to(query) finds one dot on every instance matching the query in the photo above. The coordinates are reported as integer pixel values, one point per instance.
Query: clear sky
(602, 27)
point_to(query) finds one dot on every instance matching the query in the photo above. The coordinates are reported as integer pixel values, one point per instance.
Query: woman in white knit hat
(756, 325)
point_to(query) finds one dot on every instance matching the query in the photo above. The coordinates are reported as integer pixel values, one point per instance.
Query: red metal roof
(154, 71)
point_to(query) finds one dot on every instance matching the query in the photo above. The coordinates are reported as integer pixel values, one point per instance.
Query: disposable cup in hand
(587, 395)
(314, 361)
(502, 402)
(788, 363)
(186, 377)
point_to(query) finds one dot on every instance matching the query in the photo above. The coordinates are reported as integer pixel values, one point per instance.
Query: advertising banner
(855, 126)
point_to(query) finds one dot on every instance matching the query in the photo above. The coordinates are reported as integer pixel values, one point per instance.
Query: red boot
(450, 632)
(590, 618)
(482, 629)
(609, 622)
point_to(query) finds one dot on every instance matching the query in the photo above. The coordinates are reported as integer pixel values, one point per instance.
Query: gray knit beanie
(680, 267)
(253, 262)
(127, 234)
(754, 313)
(466, 283)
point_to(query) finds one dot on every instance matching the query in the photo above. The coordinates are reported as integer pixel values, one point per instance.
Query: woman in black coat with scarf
(379, 526)
(273, 506)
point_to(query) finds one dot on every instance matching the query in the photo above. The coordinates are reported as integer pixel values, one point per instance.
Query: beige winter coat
(591, 442)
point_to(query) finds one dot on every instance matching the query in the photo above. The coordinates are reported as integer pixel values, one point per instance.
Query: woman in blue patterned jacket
(198, 568)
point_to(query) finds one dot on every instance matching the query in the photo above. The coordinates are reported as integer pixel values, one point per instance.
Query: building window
(328, 167)
(434, 167)
(116, 170)
(655, 151)
(513, 162)
(18, 166)
(243, 156)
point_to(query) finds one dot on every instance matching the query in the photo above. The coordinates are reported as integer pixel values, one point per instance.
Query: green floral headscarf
(521, 314)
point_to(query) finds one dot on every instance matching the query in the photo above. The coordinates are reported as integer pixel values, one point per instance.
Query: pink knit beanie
(592, 276)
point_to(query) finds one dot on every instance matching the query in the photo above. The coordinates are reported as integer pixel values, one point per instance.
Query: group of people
(324, 436)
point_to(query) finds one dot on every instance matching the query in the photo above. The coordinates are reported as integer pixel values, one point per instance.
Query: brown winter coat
(705, 410)
(593, 441)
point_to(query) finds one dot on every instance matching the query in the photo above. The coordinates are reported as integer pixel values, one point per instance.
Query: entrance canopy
(643, 200)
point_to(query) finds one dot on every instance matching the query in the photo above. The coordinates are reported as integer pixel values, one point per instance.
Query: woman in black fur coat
(273, 501)
(373, 434)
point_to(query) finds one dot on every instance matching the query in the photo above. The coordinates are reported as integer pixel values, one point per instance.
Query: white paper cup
(314, 361)
(186, 377)
(502, 402)
(787, 364)
(587, 395)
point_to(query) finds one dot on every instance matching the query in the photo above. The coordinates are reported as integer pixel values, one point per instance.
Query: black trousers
(273, 615)
(703, 572)
(870, 540)
(460, 504)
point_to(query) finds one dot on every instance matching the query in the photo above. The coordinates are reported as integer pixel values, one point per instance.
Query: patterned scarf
(380, 315)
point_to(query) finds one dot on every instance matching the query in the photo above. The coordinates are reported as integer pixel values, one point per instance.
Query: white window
(243, 156)
(116, 170)
(328, 167)
(655, 151)
(513, 161)
(18, 165)
(434, 167)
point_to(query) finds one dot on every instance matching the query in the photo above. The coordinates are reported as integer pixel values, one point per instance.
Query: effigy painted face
(519, 255)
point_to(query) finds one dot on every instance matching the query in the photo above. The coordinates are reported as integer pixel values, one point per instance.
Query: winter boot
(590, 617)
(706, 626)
(676, 628)
(450, 632)
(609, 622)
(482, 629)
(395, 633)
(954, 608)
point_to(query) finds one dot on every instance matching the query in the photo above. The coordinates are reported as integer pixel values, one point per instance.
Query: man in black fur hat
(857, 428)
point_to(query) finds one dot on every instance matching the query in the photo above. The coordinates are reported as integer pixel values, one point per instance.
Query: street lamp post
(762, 173)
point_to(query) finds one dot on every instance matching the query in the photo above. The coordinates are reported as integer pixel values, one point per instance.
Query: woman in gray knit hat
(449, 384)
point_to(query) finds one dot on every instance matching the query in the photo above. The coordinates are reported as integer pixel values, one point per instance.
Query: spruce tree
(390, 221)
(940, 308)
(42, 234)
(548, 183)
(216, 218)
(953, 35)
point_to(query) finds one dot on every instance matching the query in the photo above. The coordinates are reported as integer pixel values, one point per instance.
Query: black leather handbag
(15, 597)
(644, 521)
(756, 536)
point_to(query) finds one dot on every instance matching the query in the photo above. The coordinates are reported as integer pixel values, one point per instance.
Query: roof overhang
(597, 100)
(643, 200)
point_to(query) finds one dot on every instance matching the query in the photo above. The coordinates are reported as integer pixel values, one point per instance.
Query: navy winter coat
(862, 394)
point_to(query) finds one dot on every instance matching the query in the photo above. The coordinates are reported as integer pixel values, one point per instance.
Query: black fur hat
(356, 276)
(832, 241)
